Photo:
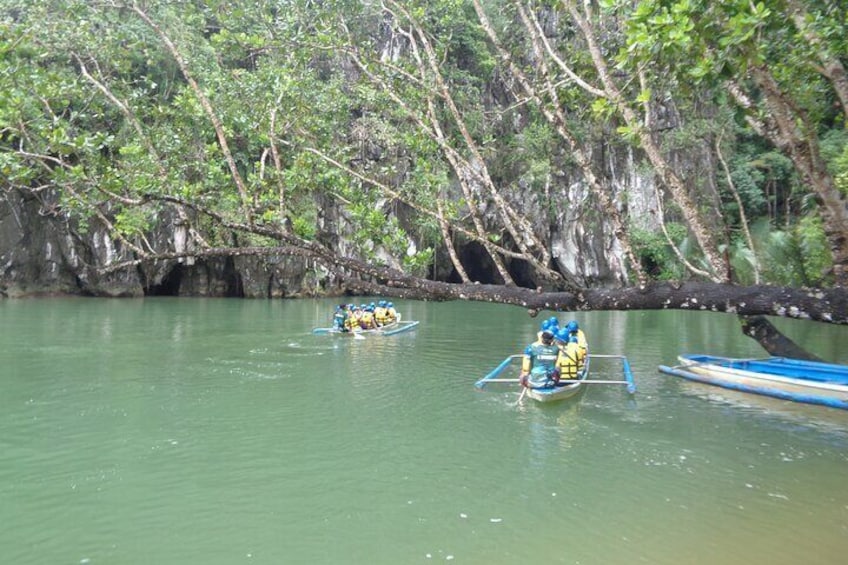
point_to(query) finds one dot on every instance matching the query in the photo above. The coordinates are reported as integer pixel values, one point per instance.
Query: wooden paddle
(520, 398)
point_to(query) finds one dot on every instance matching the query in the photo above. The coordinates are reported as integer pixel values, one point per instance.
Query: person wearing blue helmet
(352, 322)
(575, 332)
(391, 312)
(366, 321)
(538, 365)
(543, 327)
(381, 314)
(340, 317)
(568, 363)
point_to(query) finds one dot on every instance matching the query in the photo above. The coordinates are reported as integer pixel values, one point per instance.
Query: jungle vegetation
(439, 124)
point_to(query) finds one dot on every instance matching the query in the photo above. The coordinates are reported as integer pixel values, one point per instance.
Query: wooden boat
(809, 382)
(567, 388)
(396, 327)
(564, 390)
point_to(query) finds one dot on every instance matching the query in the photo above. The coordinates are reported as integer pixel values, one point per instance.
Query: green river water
(195, 431)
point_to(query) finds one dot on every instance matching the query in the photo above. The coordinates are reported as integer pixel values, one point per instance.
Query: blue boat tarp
(809, 382)
(779, 366)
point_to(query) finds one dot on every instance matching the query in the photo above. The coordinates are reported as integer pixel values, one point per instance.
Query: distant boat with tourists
(394, 328)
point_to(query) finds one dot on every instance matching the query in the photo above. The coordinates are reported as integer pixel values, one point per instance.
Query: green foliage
(418, 264)
(834, 148)
(655, 254)
(132, 222)
(841, 174)
(290, 61)
(305, 226)
(815, 252)
(798, 256)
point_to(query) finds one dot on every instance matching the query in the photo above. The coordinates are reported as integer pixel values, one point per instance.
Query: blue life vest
(543, 358)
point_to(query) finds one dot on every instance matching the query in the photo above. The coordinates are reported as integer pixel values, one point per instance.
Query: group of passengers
(557, 354)
(350, 317)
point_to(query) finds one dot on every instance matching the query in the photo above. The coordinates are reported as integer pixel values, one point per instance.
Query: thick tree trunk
(791, 134)
(777, 344)
(822, 305)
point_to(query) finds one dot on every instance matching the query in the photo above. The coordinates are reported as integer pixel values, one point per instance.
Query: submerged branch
(772, 340)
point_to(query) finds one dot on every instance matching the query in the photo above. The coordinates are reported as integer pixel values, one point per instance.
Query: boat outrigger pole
(628, 374)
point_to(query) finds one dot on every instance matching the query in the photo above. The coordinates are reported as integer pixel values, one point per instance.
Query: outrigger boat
(396, 327)
(798, 380)
(565, 389)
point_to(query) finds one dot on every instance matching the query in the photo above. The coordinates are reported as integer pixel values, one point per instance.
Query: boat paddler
(340, 317)
(539, 362)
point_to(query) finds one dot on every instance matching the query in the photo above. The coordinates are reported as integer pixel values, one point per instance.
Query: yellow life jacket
(583, 348)
(352, 320)
(366, 321)
(381, 315)
(568, 361)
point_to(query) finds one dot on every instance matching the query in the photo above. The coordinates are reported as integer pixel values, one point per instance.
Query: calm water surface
(190, 431)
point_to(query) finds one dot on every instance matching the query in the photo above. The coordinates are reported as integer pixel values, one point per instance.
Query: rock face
(43, 252)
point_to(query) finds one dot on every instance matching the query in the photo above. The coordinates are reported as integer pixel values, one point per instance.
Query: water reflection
(204, 431)
(781, 414)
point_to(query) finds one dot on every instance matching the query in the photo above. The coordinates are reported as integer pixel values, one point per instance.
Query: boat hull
(390, 329)
(799, 381)
(562, 391)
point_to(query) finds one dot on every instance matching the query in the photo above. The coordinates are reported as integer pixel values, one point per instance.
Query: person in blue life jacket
(340, 317)
(539, 362)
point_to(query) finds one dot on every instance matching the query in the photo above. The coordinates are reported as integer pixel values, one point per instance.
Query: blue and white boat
(798, 380)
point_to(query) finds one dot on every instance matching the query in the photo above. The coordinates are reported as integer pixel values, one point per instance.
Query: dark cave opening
(170, 285)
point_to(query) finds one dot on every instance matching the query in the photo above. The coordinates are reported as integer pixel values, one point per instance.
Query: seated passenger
(392, 313)
(352, 322)
(381, 314)
(575, 332)
(366, 321)
(539, 363)
(568, 363)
